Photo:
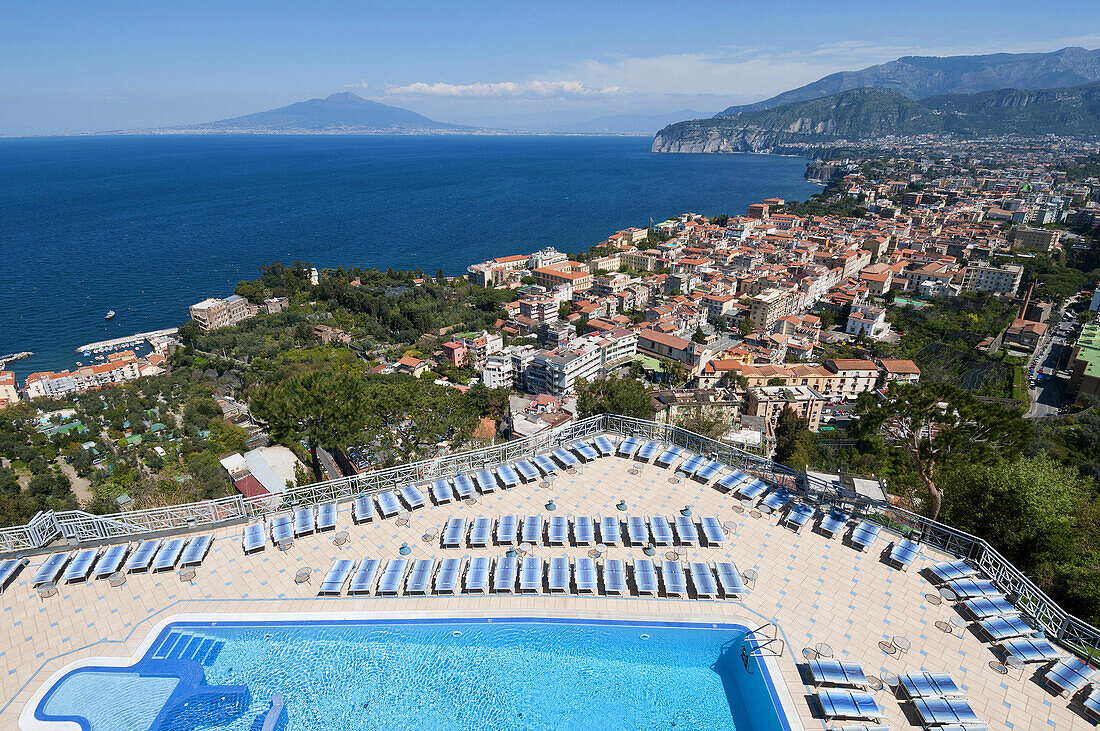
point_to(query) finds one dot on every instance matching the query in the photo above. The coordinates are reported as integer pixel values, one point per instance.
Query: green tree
(699, 336)
(564, 309)
(613, 396)
(745, 327)
(406, 417)
(789, 429)
(709, 421)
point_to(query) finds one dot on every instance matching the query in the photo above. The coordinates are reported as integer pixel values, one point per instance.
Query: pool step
(178, 645)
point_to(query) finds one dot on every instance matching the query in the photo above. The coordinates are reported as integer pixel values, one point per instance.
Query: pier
(5, 359)
(103, 346)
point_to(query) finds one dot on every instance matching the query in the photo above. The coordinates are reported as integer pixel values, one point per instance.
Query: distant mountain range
(629, 124)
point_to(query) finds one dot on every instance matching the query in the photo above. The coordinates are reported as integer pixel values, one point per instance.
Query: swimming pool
(515, 673)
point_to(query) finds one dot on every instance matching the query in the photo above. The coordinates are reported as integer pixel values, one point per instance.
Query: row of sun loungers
(531, 575)
(149, 556)
(608, 529)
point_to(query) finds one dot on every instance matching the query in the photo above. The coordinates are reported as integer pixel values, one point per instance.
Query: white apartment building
(213, 313)
(555, 372)
(497, 372)
(867, 320)
(985, 277)
(546, 257)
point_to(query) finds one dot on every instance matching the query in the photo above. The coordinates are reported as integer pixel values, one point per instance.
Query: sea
(147, 225)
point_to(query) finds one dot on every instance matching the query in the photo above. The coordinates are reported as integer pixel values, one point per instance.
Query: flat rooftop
(816, 589)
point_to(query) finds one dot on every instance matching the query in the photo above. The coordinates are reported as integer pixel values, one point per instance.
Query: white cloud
(540, 89)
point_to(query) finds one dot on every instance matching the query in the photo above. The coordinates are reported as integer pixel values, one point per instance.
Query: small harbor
(104, 346)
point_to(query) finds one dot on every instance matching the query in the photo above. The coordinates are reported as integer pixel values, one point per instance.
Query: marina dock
(103, 346)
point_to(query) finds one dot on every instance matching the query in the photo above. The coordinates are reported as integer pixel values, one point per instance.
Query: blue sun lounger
(530, 575)
(583, 532)
(565, 458)
(453, 533)
(753, 489)
(446, 581)
(477, 576)
(363, 581)
(507, 475)
(943, 711)
(712, 531)
(998, 629)
(637, 532)
(1032, 649)
(604, 446)
(112, 558)
(661, 530)
(168, 555)
(282, 529)
(142, 556)
(984, 607)
(527, 471)
(668, 457)
(833, 522)
(970, 588)
(545, 464)
(730, 483)
(531, 532)
(585, 452)
(645, 577)
(558, 575)
(337, 576)
(393, 576)
(628, 447)
(196, 550)
(557, 531)
(326, 517)
(675, 581)
(507, 528)
(1091, 704)
(614, 577)
(837, 673)
(412, 496)
(81, 566)
(903, 552)
(486, 481)
(1069, 675)
(362, 510)
(480, 532)
(708, 472)
(441, 492)
(730, 580)
(798, 516)
(388, 505)
(839, 703)
(464, 486)
(584, 575)
(303, 522)
(702, 578)
(253, 538)
(420, 578)
(9, 569)
(686, 533)
(646, 451)
(775, 501)
(864, 534)
(952, 570)
(611, 530)
(692, 465)
(504, 575)
(930, 685)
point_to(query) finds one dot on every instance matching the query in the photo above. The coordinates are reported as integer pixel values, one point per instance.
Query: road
(1048, 396)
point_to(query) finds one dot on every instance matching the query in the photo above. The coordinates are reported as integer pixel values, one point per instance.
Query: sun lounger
(903, 552)
(712, 531)
(486, 481)
(453, 533)
(584, 574)
(477, 576)
(9, 569)
(531, 531)
(943, 711)
(668, 457)
(530, 575)
(420, 578)
(326, 517)
(837, 673)
(412, 496)
(1091, 704)
(798, 516)
(168, 555)
(507, 476)
(662, 531)
(637, 532)
(337, 576)
(304, 524)
(646, 451)
(692, 465)
(393, 576)
(952, 570)
(864, 534)
(708, 472)
(480, 532)
(1069, 675)
(504, 575)
(730, 580)
(442, 492)
(585, 452)
(731, 483)
(253, 538)
(614, 577)
(388, 505)
(363, 581)
(628, 447)
(81, 566)
(557, 531)
(611, 530)
(686, 533)
(833, 522)
(196, 550)
(112, 558)
(362, 510)
(702, 578)
(970, 588)
(584, 534)
(645, 577)
(930, 685)
(998, 629)
(565, 458)
(984, 607)
(527, 471)
(775, 501)
(604, 446)
(839, 703)
(446, 580)
(142, 557)
(1031, 649)
(675, 582)
(545, 464)
(881, 727)
(282, 529)
(464, 486)
(507, 529)
(753, 489)
(558, 575)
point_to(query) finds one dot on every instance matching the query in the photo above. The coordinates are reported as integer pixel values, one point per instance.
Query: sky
(68, 67)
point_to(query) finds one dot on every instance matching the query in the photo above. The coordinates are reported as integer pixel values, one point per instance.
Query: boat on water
(110, 314)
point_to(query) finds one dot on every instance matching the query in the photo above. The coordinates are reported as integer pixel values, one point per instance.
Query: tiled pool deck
(816, 589)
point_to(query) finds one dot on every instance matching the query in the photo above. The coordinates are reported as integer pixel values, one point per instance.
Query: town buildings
(213, 313)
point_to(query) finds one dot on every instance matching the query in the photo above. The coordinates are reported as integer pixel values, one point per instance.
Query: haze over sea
(148, 225)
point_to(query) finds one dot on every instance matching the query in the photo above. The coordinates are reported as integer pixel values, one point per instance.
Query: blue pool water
(498, 674)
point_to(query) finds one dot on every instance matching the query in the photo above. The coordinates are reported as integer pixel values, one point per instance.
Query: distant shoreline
(192, 132)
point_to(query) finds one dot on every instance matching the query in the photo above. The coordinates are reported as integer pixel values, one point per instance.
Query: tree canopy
(613, 396)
